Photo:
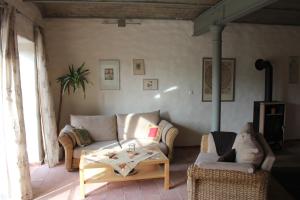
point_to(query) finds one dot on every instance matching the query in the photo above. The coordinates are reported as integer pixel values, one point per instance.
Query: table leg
(167, 175)
(82, 192)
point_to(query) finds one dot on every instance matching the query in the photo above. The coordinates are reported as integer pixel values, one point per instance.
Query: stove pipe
(261, 64)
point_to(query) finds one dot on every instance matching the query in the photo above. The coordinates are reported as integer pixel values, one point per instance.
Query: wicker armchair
(217, 184)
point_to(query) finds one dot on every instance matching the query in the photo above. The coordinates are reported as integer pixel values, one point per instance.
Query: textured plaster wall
(174, 57)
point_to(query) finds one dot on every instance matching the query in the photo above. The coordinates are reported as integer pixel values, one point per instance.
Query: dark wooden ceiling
(124, 9)
(283, 12)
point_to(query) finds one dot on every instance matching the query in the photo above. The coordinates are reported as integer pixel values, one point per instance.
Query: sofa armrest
(204, 144)
(68, 146)
(170, 137)
(205, 182)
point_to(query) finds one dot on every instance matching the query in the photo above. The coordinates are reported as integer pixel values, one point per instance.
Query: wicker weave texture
(212, 184)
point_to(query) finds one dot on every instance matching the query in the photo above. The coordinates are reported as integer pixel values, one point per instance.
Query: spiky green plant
(73, 80)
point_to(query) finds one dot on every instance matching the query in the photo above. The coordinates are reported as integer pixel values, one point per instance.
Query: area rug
(289, 178)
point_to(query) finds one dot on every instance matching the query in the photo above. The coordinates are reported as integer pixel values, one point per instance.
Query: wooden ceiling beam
(227, 11)
(201, 3)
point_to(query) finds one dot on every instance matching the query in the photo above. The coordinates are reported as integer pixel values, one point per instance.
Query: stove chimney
(261, 64)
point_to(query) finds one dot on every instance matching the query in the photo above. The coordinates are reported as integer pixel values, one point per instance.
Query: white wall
(174, 57)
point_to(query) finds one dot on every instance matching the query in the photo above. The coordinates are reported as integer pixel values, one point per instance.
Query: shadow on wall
(186, 135)
(292, 120)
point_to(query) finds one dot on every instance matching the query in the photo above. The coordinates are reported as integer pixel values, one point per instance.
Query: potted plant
(73, 80)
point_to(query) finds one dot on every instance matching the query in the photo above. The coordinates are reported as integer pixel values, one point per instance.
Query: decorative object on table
(294, 69)
(227, 83)
(110, 74)
(74, 80)
(131, 147)
(138, 67)
(150, 84)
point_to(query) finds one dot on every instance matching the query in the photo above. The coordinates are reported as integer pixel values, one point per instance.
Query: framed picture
(109, 74)
(138, 67)
(150, 84)
(227, 83)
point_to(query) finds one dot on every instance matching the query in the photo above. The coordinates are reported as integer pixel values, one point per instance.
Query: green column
(216, 31)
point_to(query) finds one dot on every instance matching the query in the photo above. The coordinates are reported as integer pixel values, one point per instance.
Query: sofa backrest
(101, 127)
(134, 125)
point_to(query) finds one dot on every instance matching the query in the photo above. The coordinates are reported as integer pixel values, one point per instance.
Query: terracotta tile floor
(57, 183)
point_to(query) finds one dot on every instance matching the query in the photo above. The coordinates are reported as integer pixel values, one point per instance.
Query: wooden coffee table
(154, 167)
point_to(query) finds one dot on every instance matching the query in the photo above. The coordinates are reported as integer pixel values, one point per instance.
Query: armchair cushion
(248, 150)
(241, 167)
(206, 158)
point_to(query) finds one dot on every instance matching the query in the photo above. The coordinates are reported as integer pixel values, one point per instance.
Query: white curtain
(14, 168)
(51, 147)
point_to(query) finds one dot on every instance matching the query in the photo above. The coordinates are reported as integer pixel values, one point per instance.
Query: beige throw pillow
(135, 125)
(248, 149)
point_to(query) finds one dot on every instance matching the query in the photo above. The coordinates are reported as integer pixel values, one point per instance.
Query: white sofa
(117, 130)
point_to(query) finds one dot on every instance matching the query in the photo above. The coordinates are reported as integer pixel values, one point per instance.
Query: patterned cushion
(82, 137)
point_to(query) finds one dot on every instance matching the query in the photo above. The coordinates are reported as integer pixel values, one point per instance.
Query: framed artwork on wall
(227, 83)
(138, 67)
(150, 84)
(110, 74)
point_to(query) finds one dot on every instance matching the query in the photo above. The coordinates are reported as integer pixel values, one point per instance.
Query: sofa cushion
(248, 150)
(164, 127)
(163, 147)
(242, 167)
(144, 142)
(101, 127)
(135, 125)
(95, 146)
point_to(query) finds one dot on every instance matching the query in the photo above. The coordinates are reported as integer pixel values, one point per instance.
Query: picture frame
(150, 84)
(228, 79)
(138, 67)
(109, 74)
